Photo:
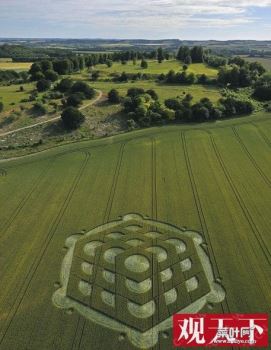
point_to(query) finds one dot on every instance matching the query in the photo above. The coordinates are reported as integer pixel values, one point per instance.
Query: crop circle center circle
(137, 263)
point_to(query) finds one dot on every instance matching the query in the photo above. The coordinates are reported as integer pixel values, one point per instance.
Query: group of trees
(205, 110)
(186, 111)
(216, 61)
(43, 70)
(191, 55)
(51, 69)
(262, 90)
(114, 96)
(108, 58)
(144, 109)
(185, 78)
(240, 73)
(124, 77)
(75, 93)
(232, 106)
(13, 77)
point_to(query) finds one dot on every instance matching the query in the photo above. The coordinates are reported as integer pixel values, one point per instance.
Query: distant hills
(240, 47)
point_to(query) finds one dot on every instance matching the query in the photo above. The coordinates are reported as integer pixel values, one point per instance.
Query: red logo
(209, 330)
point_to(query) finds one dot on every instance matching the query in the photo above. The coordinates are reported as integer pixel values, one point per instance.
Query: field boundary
(110, 139)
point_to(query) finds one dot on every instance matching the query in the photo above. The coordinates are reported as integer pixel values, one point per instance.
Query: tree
(43, 85)
(239, 61)
(258, 67)
(216, 61)
(123, 77)
(74, 100)
(39, 109)
(263, 93)
(36, 67)
(1, 106)
(197, 54)
(109, 63)
(72, 118)
(114, 96)
(51, 75)
(173, 103)
(200, 112)
(153, 94)
(37, 76)
(133, 92)
(46, 65)
(202, 79)
(84, 88)
(160, 55)
(62, 67)
(95, 75)
(82, 62)
(188, 60)
(64, 85)
(183, 52)
(144, 64)
(171, 77)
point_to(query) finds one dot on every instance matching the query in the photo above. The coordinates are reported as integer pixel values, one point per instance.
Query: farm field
(18, 66)
(210, 181)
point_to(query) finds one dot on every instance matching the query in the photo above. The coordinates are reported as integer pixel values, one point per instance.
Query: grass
(12, 96)
(156, 68)
(211, 178)
(18, 66)
(164, 91)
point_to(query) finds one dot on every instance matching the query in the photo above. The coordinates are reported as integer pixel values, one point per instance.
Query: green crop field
(157, 68)
(80, 223)
(18, 66)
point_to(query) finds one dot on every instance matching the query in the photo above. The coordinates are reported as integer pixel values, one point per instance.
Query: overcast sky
(150, 19)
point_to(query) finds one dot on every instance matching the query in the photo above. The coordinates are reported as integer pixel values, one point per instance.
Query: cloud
(119, 15)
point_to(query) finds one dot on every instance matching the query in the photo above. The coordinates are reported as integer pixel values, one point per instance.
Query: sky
(144, 19)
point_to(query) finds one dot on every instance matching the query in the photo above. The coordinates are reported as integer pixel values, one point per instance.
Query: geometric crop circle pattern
(133, 274)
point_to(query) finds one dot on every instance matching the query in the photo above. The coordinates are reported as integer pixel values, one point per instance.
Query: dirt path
(97, 99)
